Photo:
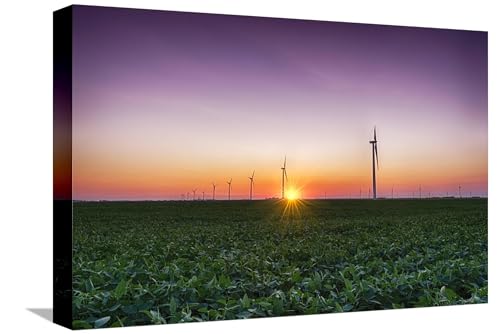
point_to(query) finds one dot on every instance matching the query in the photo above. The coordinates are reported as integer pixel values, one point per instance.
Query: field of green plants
(137, 263)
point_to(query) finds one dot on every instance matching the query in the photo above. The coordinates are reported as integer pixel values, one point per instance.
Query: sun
(292, 194)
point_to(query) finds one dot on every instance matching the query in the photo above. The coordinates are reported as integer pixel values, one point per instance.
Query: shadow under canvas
(46, 313)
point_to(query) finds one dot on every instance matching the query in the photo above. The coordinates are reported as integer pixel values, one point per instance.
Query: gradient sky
(165, 102)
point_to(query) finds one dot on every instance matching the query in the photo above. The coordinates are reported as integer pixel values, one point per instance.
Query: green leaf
(348, 284)
(296, 277)
(338, 307)
(448, 293)
(120, 289)
(245, 301)
(265, 305)
(118, 323)
(101, 322)
(244, 315)
(347, 307)
(81, 324)
(172, 306)
(115, 307)
(89, 285)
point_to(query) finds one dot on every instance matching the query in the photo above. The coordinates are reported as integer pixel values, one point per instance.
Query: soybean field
(138, 263)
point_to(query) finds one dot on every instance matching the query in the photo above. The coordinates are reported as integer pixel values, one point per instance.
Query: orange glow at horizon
(121, 177)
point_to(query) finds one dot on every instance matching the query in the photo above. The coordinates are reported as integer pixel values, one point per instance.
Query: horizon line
(280, 199)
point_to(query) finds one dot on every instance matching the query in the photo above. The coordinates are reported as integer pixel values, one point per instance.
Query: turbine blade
(376, 153)
(253, 174)
(284, 163)
(286, 176)
(375, 133)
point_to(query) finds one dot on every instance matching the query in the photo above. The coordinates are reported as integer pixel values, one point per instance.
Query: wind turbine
(374, 157)
(283, 176)
(251, 184)
(213, 191)
(203, 195)
(194, 194)
(229, 184)
(459, 191)
(420, 191)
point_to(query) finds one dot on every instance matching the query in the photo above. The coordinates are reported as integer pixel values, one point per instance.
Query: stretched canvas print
(213, 167)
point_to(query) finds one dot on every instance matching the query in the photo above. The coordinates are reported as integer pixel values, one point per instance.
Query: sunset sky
(166, 102)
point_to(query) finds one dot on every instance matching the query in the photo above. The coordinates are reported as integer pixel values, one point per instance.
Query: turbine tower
(194, 194)
(213, 191)
(229, 185)
(251, 184)
(283, 176)
(374, 157)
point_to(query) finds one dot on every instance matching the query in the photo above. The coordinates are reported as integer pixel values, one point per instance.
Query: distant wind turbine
(251, 184)
(420, 191)
(283, 176)
(194, 194)
(229, 185)
(374, 157)
(459, 191)
(203, 195)
(213, 191)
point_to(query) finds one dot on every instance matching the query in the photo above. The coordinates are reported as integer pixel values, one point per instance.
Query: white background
(26, 162)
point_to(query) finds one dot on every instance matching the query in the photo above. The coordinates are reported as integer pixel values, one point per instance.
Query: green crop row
(139, 263)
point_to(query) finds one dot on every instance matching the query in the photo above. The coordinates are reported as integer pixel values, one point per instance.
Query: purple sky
(188, 98)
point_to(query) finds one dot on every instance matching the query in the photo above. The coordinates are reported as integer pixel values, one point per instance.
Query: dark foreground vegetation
(139, 263)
